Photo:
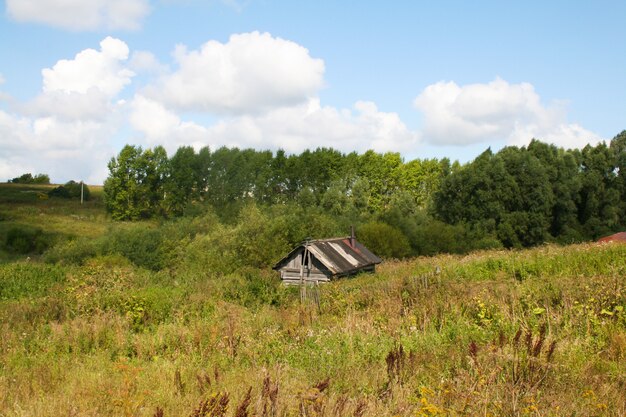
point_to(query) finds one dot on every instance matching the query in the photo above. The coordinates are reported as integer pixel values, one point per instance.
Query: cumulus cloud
(152, 118)
(64, 150)
(80, 15)
(146, 62)
(253, 91)
(252, 72)
(67, 130)
(101, 70)
(67, 106)
(296, 128)
(82, 88)
(475, 113)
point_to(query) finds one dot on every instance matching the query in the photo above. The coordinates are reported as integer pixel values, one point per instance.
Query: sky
(79, 79)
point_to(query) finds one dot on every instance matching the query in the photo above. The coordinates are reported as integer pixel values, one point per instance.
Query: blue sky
(80, 78)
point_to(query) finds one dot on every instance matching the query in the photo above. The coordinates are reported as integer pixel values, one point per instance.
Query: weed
(178, 383)
(214, 406)
(242, 409)
(269, 398)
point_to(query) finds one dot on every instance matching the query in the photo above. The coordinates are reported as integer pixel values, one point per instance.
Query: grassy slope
(107, 338)
(29, 204)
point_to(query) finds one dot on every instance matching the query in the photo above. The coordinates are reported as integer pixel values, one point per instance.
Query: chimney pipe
(352, 237)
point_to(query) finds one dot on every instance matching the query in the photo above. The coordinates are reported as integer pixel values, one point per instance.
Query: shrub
(26, 239)
(384, 240)
(141, 244)
(71, 189)
(250, 287)
(75, 251)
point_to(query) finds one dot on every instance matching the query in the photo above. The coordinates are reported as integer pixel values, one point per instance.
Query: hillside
(184, 317)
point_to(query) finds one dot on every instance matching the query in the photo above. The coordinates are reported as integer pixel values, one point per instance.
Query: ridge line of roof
(324, 240)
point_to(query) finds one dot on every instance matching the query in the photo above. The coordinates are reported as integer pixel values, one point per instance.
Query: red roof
(617, 237)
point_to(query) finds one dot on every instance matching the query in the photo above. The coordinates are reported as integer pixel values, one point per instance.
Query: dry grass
(538, 332)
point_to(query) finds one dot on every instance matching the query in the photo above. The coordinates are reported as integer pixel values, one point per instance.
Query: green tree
(182, 180)
(508, 193)
(153, 170)
(618, 146)
(562, 169)
(335, 200)
(381, 171)
(530, 207)
(41, 179)
(599, 204)
(384, 240)
(134, 187)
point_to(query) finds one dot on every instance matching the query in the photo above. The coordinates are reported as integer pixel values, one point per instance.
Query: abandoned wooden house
(326, 259)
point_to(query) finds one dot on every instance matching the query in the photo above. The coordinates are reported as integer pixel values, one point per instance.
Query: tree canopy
(517, 197)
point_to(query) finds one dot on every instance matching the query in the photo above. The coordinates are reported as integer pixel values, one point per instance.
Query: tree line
(28, 178)
(147, 183)
(529, 195)
(517, 197)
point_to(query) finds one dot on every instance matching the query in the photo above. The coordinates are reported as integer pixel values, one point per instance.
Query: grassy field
(91, 327)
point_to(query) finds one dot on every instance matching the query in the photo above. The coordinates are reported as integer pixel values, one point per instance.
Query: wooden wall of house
(290, 272)
(295, 261)
(292, 276)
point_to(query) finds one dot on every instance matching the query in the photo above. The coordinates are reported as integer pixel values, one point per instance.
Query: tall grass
(536, 332)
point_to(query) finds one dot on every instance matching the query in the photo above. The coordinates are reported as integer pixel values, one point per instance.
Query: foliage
(28, 280)
(29, 179)
(25, 239)
(134, 188)
(517, 197)
(530, 195)
(384, 240)
(324, 177)
(171, 314)
(502, 333)
(71, 189)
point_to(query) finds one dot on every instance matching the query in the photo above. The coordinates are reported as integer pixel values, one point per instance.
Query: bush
(140, 244)
(71, 189)
(384, 240)
(250, 287)
(75, 251)
(26, 239)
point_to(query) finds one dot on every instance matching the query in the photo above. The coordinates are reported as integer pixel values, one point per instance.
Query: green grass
(30, 205)
(101, 330)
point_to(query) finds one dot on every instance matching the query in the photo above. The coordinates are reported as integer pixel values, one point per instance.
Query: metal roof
(337, 255)
(617, 237)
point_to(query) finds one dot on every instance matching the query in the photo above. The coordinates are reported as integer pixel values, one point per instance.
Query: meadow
(103, 318)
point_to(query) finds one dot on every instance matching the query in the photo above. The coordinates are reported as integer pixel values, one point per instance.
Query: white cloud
(101, 70)
(80, 14)
(304, 126)
(497, 110)
(252, 72)
(68, 106)
(2, 80)
(67, 130)
(152, 118)
(64, 150)
(146, 62)
(260, 92)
